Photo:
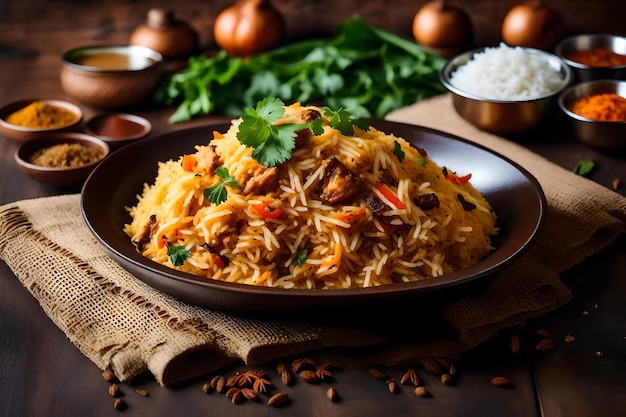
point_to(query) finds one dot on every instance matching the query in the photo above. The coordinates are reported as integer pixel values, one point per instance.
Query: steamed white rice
(507, 73)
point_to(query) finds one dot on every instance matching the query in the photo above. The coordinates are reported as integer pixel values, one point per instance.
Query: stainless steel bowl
(586, 42)
(608, 135)
(499, 116)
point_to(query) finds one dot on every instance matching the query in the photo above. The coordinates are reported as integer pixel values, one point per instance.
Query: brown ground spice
(65, 155)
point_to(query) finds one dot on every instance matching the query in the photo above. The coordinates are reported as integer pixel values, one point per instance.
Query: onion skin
(440, 25)
(532, 24)
(249, 27)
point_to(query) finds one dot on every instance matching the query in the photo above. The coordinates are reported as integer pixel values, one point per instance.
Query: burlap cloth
(120, 323)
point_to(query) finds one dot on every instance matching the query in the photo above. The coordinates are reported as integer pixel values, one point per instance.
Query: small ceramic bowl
(111, 76)
(595, 56)
(58, 149)
(118, 129)
(505, 117)
(21, 134)
(600, 134)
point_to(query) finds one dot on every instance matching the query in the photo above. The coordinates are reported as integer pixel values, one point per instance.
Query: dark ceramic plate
(515, 195)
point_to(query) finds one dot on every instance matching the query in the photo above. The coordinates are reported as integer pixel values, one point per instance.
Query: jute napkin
(120, 323)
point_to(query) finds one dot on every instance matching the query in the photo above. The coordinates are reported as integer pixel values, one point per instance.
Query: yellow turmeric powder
(42, 115)
(605, 107)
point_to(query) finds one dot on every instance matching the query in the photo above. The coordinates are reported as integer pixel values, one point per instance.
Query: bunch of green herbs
(363, 69)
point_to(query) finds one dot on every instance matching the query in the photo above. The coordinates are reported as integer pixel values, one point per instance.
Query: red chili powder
(599, 57)
(117, 127)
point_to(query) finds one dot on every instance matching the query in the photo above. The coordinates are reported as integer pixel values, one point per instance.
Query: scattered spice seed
(285, 378)
(569, 338)
(501, 382)
(302, 364)
(282, 368)
(410, 376)
(446, 379)
(543, 333)
(378, 374)
(119, 404)
(545, 345)
(599, 354)
(392, 385)
(142, 392)
(331, 393)
(108, 375)
(309, 376)
(421, 391)
(250, 394)
(219, 383)
(617, 184)
(515, 343)
(207, 388)
(278, 399)
(114, 390)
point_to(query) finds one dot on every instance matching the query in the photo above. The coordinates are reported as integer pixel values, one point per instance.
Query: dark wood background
(304, 18)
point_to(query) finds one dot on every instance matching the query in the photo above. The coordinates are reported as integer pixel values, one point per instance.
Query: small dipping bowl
(600, 134)
(22, 134)
(118, 129)
(111, 76)
(596, 47)
(505, 117)
(60, 175)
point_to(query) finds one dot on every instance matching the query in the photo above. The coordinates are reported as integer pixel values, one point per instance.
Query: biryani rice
(233, 242)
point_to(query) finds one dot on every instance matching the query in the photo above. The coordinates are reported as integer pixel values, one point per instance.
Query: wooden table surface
(43, 374)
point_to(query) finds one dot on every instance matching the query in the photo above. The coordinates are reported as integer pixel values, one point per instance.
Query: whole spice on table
(604, 107)
(65, 155)
(42, 115)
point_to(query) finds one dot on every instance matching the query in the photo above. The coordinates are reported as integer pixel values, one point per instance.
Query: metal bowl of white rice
(505, 90)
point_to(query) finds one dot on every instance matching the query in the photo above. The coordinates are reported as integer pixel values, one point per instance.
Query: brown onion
(440, 25)
(533, 24)
(249, 27)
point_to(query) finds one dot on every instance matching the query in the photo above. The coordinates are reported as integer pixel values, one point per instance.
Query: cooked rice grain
(397, 245)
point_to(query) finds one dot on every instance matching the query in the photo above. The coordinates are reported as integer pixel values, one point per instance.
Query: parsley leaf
(301, 256)
(178, 255)
(397, 151)
(218, 193)
(584, 167)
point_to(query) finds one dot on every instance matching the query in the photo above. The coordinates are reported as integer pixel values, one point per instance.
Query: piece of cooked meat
(261, 181)
(340, 184)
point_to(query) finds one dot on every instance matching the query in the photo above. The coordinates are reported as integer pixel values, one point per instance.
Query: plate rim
(141, 266)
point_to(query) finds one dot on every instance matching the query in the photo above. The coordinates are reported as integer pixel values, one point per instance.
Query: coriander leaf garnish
(178, 255)
(397, 151)
(342, 120)
(272, 144)
(301, 256)
(218, 193)
(584, 167)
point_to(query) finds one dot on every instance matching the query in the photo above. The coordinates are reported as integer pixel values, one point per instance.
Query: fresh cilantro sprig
(343, 121)
(217, 194)
(274, 144)
(178, 255)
